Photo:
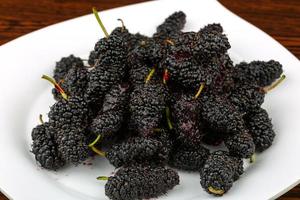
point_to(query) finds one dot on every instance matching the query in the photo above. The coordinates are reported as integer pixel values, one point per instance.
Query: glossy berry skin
(139, 72)
(189, 158)
(222, 116)
(170, 27)
(45, 149)
(74, 83)
(116, 98)
(147, 104)
(219, 172)
(110, 51)
(140, 182)
(69, 113)
(107, 123)
(63, 66)
(210, 42)
(147, 51)
(261, 129)
(186, 72)
(101, 79)
(247, 97)
(185, 114)
(137, 150)
(240, 145)
(259, 73)
(72, 145)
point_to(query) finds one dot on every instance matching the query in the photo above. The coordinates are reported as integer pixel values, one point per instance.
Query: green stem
(41, 118)
(122, 22)
(100, 22)
(253, 158)
(102, 178)
(274, 85)
(168, 116)
(95, 141)
(199, 91)
(56, 85)
(148, 78)
(216, 191)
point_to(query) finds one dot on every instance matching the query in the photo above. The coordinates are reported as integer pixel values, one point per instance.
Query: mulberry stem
(166, 76)
(95, 141)
(274, 85)
(97, 151)
(56, 85)
(216, 191)
(148, 78)
(168, 118)
(199, 91)
(253, 158)
(169, 42)
(41, 118)
(102, 178)
(123, 26)
(100, 22)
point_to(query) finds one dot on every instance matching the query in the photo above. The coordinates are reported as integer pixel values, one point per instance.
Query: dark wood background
(280, 19)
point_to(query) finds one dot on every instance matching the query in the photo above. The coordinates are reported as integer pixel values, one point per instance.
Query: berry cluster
(147, 102)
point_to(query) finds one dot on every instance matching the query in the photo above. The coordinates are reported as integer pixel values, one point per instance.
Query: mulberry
(74, 83)
(64, 65)
(221, 115)
(146, 105)
(45, 149)
(116, 98)
(69, 113)
(247, 97)
(72, 144)
(210, 43)
(146, 51)
(107, 123)
(140, 182)
(261, 129)
(137, 150)
(101, 79)
(190, 158)
(259, 72)
(139, 72)
(185, 112)
(219, 172)
(240, 145)
(110, 51)
(170, 27)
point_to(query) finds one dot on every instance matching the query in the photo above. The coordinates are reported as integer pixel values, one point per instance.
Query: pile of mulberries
(150, 103)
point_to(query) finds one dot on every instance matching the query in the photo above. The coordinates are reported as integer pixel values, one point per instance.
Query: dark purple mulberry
(221, 116)
(188, 157)
(64, 65)
(137, 150)
(170, 27)
(140, 182)
(45, 149)
(185, 114)
(259, 73)
(146, 105)
(261, 128)
(74, 83)
(219, 172)
(240, 145)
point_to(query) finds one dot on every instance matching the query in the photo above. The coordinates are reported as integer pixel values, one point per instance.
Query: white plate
(24, 96)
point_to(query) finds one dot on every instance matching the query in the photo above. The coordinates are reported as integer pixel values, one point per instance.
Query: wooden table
(280, 19)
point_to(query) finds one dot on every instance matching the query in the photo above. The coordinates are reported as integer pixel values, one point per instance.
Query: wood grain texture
(280, 19)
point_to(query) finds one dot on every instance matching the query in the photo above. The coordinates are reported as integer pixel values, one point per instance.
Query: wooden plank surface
(280, 19)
